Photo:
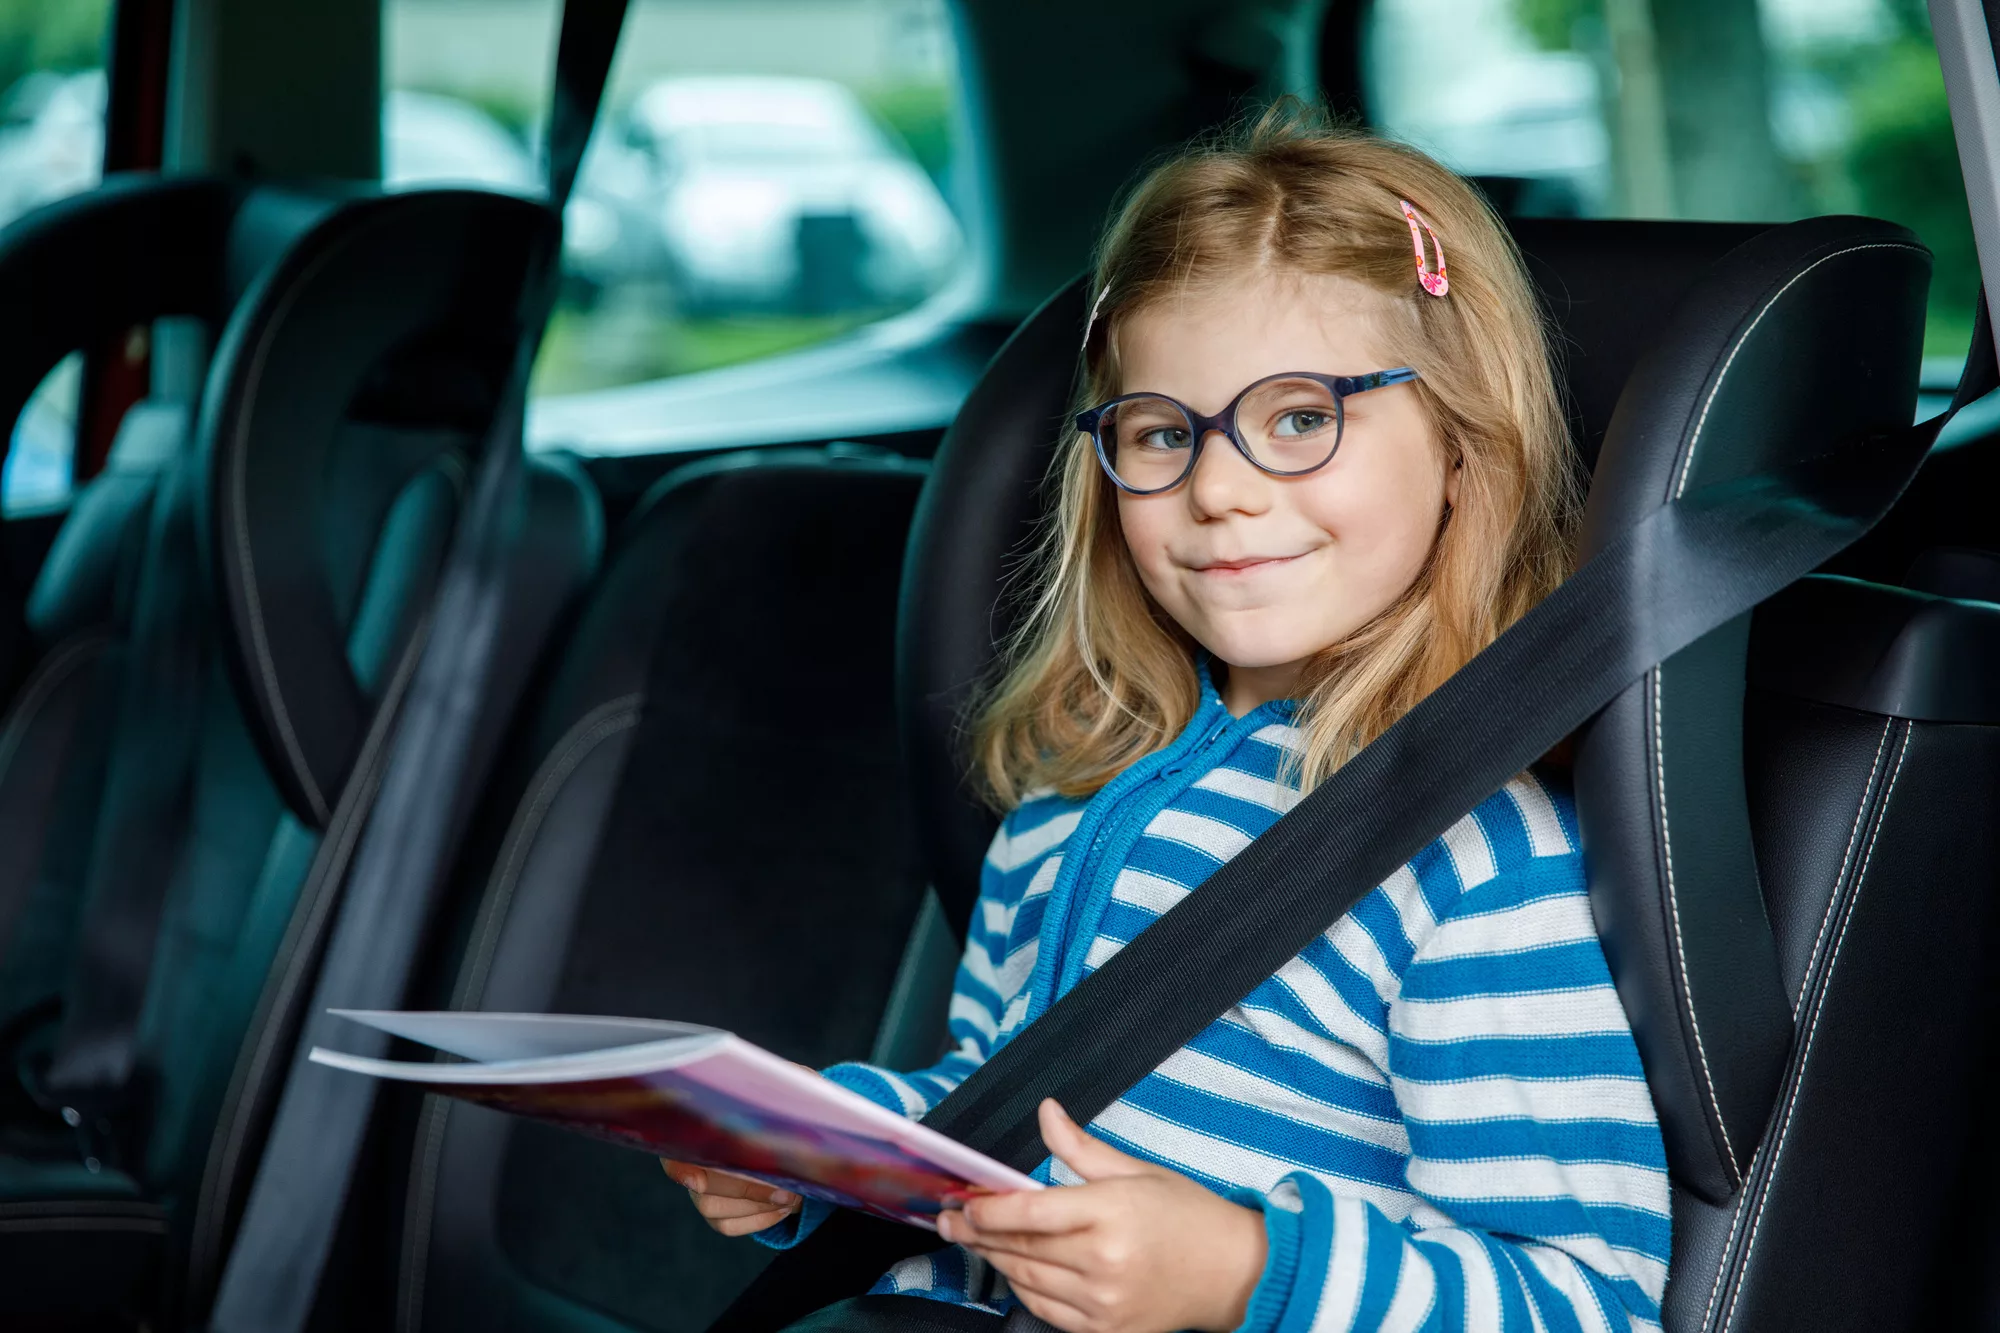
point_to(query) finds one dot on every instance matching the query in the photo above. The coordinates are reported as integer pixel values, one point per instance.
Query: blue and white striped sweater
(1437, 1105)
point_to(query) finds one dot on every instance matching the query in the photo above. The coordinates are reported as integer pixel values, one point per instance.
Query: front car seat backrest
(1804, 338)
(1605, 287)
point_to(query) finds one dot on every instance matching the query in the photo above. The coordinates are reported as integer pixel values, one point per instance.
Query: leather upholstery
(1743, 378)
(701, 816)
(1832, 847)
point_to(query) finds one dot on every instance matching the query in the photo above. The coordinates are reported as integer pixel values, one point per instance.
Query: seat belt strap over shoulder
(1689, 567)
(272, 1276)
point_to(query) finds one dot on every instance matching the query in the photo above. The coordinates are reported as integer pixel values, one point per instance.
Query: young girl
(1435, 1116)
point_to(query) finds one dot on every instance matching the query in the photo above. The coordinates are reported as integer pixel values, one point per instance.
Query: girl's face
(1264, 571)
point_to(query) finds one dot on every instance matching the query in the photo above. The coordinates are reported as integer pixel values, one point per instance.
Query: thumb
(1091, 1158)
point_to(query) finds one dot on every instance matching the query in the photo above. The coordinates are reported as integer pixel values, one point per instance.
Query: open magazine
(694, 1094)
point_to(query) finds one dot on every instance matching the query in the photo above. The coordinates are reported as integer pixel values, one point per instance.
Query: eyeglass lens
(1287, 425)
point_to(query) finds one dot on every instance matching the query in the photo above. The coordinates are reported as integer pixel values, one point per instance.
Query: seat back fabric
(702, 816)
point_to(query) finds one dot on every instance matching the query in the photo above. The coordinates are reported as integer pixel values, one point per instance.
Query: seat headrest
(354, 380)
(1607, 288)
(87, 268)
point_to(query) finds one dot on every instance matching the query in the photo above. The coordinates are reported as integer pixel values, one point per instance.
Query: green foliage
(1903, 165)
(1553, 23)
(920, 115)
(601, 349)
(63, 35)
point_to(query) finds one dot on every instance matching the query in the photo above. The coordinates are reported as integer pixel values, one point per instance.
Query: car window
(51, 145)
(766, 174)
(1756, 111)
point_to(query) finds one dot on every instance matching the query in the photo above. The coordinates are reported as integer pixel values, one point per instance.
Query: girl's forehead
(1210, 340)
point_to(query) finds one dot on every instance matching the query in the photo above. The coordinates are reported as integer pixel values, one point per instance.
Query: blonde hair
(1098, 676)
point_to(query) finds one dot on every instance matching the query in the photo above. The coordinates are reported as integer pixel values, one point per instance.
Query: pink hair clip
(1434, 281)
(1096, 308)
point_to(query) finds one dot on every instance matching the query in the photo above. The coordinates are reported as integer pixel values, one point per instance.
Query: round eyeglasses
(1287, 425)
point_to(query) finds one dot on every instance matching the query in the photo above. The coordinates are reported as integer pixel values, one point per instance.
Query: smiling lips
(1247, 564)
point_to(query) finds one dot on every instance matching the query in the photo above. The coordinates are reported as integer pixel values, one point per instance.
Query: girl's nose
(1224, 481)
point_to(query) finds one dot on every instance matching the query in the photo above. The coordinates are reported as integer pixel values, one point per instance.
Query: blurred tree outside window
(52, 56)
(765, 174)
(1728, 109)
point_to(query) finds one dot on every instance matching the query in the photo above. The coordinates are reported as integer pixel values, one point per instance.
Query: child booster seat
(1783, 824)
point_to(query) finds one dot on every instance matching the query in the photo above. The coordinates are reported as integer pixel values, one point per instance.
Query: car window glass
(1729, 109)
(766, 175)
(51, 145)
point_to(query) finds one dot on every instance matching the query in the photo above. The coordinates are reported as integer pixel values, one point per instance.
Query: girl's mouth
(1248, 564)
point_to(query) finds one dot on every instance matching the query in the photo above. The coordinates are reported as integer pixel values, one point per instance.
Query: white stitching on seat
(1847, 858)
(1659, 763)
(1714, 389)
(1819, 1006)
(1728, 1247)
(565, 757)
(1680, 948)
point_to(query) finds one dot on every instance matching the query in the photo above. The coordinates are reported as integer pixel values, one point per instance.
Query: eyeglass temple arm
(1379, 379)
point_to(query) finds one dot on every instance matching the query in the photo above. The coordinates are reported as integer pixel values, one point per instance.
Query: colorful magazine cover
(694, 1094)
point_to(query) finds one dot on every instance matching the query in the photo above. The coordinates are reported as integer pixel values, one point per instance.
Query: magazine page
(694, 1094)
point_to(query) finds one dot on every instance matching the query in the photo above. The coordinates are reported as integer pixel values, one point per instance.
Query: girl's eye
(1302, 421)
(1164, 438)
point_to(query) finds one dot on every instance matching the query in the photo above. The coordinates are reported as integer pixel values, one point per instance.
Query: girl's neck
(1246, 688)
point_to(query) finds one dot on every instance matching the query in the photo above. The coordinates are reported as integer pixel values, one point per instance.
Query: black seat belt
(1691, 566)
(273, 1273)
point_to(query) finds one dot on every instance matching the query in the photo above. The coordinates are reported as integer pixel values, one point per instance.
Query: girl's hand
(731, 1204)
(1136, 1249)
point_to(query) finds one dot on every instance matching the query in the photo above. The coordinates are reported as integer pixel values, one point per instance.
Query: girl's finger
(1034, 1210)
(1091, 1158)
(1058, 1248)
(1026, 1274)
(718, 1205)
(743, 1226)
(1055, 1311)
(726, 1185)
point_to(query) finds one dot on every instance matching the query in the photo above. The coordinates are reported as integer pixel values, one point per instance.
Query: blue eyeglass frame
(1224, 422)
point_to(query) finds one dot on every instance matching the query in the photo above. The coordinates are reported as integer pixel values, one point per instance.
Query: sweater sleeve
(979, 1000)
(1534, 1148)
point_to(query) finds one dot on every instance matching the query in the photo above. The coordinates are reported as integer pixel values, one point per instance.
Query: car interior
(336, 644)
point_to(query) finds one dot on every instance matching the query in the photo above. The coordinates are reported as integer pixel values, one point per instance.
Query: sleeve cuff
(796, 1227)
(872, 1083)
(1283, 1236)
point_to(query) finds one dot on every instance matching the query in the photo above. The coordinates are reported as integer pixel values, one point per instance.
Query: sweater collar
(1275, 710)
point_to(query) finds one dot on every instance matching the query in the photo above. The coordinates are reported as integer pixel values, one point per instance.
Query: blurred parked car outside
(782, 192)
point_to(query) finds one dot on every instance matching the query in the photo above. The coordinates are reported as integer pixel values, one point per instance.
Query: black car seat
(702, 815)
(288, 564)
(624, 871)
(137, 249)
(1802, 948)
